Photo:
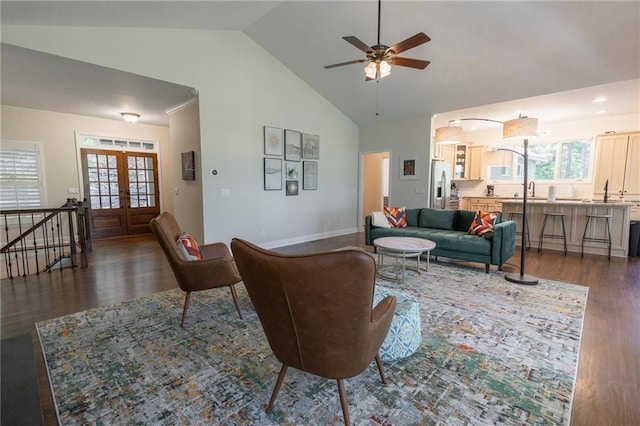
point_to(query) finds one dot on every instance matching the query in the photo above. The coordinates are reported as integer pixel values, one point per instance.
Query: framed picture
(292, 150)
(188, 162)
(272, 174)
(310, 146)
(309, 175)
(409, 168)
(292, 187)
(292, 170)
(273, 144)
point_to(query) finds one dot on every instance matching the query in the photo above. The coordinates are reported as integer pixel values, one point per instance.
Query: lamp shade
(448, 135)
(520, 128)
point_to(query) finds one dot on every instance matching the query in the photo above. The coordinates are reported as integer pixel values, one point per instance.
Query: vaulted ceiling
(480, 52)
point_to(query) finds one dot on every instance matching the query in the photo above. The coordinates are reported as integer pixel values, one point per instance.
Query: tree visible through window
(574, 160)
(20, 180)
(557, 161)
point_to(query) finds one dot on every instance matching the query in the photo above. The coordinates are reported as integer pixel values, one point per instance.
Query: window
(20, 175)
(574, 160)
(567, 161)
(110, 143)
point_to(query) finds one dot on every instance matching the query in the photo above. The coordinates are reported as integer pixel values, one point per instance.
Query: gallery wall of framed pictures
(290, 155)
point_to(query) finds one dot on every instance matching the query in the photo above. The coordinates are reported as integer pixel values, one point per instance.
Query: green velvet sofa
(448, 229)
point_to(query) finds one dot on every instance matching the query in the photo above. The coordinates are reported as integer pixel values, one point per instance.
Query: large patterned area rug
(492, 353)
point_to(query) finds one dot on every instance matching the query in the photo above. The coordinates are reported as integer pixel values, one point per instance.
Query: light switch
(225, 192)
(73, 190)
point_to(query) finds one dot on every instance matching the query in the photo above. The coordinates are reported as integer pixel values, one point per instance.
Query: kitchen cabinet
(617, 159)
(474, 162)
(467, 162)
(460, 165)
(486, 204)
(448, 154)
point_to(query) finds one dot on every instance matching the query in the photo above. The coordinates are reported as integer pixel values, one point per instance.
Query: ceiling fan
(380, 57)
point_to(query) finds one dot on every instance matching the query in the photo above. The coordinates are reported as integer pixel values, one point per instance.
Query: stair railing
(46, 239)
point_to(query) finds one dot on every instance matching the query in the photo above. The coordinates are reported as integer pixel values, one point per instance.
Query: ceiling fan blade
(357, 43)
(410, 43)
(408, 62)
(346, 63)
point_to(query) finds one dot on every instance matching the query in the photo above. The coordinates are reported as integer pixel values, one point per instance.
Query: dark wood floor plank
(608, 382)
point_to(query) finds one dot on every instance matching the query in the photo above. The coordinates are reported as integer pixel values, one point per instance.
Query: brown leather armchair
(216, 269)
(316, 311)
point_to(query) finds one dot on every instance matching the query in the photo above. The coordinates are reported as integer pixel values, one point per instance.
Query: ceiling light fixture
(130, 117)
(600, 99)
(376, 70)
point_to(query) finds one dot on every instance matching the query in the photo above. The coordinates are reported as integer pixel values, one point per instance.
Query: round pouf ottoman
(404, 336)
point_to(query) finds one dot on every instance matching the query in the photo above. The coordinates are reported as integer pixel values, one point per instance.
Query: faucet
(532, 188)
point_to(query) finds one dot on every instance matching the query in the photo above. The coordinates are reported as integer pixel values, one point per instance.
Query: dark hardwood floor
(608, 382)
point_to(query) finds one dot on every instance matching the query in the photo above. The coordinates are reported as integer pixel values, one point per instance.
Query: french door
(123, 190)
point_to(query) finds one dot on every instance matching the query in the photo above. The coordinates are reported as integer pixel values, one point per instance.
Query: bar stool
(563, 237)
(512, 216)
(607, 240)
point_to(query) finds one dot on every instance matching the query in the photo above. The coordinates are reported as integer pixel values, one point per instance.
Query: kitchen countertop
(568, 202)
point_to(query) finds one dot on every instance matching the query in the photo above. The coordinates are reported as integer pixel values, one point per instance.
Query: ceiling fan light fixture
(385, 69)
(371, 70)
(375, 70)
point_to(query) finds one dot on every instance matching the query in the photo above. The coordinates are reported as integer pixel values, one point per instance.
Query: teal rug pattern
(492, 352)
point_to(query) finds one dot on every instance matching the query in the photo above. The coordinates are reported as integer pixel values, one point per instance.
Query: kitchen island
(575, 212)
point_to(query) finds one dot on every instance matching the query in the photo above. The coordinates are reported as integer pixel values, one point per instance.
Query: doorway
(123, 190)
(375, 182)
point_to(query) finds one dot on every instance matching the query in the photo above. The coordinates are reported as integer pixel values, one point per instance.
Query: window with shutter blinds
(20, 176)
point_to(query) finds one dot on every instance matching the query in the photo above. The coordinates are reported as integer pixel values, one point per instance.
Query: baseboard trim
(306, 238)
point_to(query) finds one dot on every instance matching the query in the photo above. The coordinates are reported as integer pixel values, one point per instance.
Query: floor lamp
(520, 128)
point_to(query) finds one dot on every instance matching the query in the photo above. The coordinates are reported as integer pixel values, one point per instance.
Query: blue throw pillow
(438, 219)
(412, 217)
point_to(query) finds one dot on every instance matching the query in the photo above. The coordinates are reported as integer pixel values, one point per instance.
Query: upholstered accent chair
(316, 311)
(216, 268)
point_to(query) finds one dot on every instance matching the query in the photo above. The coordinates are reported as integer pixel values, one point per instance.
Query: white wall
(241, 89)
(56, 131)
(404, 138)
(184, 127)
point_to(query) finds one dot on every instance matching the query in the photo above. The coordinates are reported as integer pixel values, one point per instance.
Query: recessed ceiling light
(601, 112)
(600, 99)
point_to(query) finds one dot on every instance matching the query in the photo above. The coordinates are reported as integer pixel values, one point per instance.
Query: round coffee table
(401, 248)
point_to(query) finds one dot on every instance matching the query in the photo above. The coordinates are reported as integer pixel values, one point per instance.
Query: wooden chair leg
(186, 306)
(276, 389)
(235, 300)
(343, 402)
(379, 364)
(486, 267)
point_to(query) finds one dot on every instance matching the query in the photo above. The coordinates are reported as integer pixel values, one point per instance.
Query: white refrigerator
(440, 184)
